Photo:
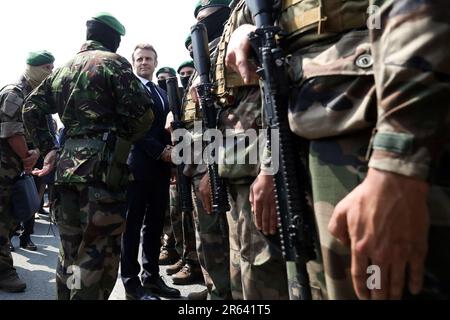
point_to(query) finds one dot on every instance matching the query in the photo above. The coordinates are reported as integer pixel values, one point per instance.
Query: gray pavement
(37, 268)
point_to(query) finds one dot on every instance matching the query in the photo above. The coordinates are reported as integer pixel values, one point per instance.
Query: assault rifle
(202, 62)
(295, 219)
(183, 182)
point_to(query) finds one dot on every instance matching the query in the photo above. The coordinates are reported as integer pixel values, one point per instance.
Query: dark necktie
(157, 99)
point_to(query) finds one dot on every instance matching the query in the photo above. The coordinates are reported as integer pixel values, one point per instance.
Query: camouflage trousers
(211, 233)
(183, 229)
(7, 223)
(91, 221)
(171, 238)
(168, 240)
(337, 166)
(257, 267)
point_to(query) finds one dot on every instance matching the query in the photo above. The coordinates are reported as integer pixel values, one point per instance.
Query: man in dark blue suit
(148, 194)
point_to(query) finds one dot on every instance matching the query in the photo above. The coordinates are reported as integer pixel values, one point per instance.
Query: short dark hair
(144, 46)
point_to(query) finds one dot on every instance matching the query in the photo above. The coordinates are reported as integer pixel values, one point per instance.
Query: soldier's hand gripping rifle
(202, 62)
(183, 182)
(295, 220)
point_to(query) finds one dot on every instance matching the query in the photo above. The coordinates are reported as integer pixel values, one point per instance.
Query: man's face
(145, 63)
(186, 71)
(164, 76)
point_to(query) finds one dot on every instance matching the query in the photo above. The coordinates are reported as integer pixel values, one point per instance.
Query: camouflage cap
(188, 63)
(168, 70)
(110, 21)
(38, 58)
(202, 4)
(188, 42)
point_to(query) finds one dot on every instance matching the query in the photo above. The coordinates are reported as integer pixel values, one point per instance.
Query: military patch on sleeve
(12, 104)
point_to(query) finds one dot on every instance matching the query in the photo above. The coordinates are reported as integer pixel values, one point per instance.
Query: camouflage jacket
(11, 102)
(94, 93)
(240, 115)
(240, 110)
(412, 76)
(348, 81)
(191, 115)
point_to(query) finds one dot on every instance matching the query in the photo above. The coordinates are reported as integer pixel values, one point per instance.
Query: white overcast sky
(60, 27)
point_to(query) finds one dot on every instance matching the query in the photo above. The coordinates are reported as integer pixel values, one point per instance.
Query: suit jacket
(144, 159)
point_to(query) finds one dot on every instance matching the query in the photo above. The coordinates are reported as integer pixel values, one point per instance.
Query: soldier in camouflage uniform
(169, 252)
(104, 108)
(187, 269)
(256, 263)
(211, 230)
(185, 71)
(163, 74)
(176, 227)
(172, 239)
(15, 156)
(377, 159)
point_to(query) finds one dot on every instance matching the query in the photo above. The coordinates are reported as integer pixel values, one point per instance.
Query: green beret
(38, 58)
(188, 42)
(189, 63)
(110, 21)
(202, 4)
(168, 70)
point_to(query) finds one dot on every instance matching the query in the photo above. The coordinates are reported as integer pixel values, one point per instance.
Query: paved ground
(37, 268)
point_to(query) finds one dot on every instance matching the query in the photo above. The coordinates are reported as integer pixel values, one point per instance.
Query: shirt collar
(143, 80)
